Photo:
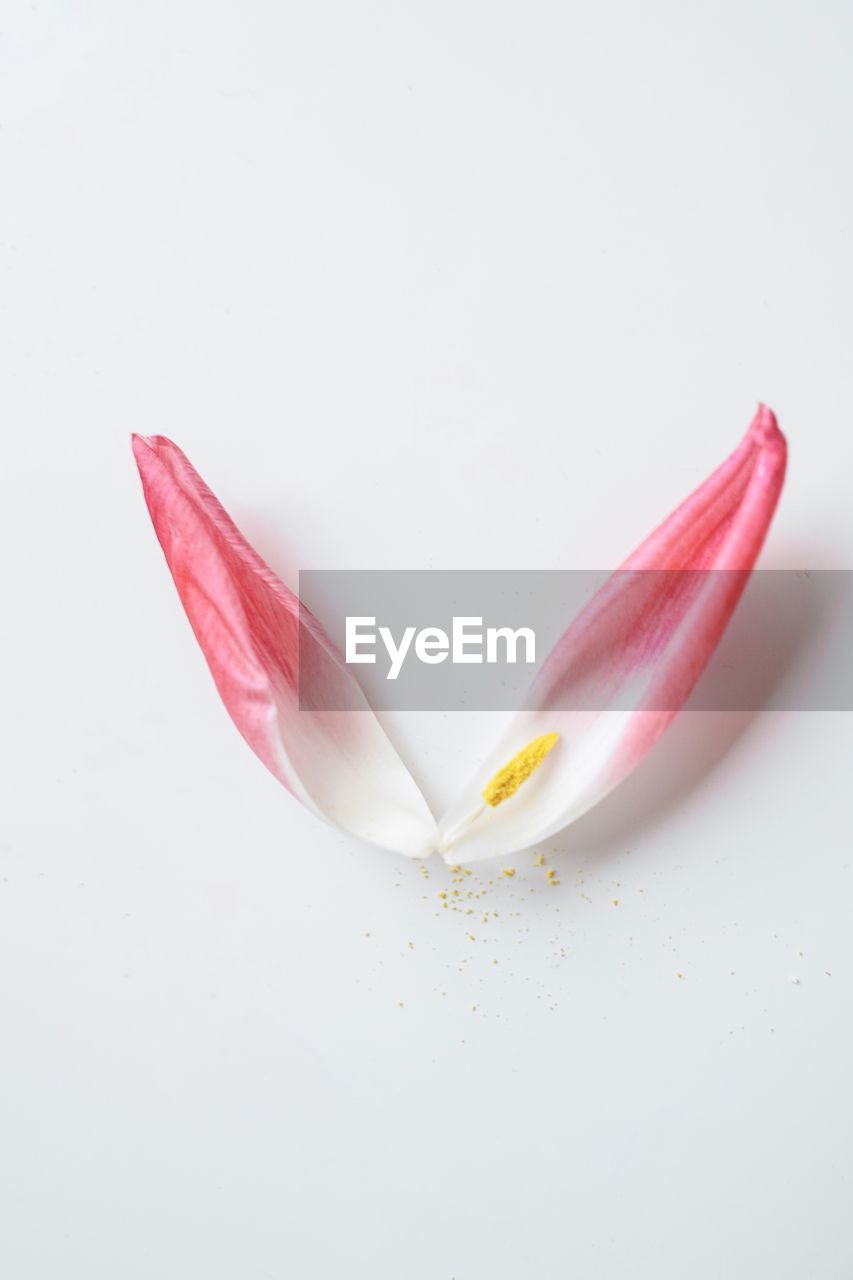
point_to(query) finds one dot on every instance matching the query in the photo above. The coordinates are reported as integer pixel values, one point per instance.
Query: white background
(489, 285)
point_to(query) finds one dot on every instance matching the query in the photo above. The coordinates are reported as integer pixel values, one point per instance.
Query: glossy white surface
(419, 285)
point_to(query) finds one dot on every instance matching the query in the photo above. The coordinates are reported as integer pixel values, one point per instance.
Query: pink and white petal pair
(609, 688)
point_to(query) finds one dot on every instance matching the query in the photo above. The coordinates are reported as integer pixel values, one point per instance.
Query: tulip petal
(252, 632)
(628, 662)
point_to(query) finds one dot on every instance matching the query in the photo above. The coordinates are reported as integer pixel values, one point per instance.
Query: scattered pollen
(509, 872)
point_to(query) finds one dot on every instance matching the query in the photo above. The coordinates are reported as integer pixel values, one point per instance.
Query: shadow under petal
(775, 629)
(687, 754)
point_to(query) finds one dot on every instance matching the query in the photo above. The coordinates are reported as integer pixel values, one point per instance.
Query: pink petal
(624, 667)
(248, 624)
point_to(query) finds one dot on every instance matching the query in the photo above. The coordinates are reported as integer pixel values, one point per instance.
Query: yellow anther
(507, 780)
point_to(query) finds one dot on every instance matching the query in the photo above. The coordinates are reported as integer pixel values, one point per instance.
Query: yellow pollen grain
(507, 780)
(509, 872)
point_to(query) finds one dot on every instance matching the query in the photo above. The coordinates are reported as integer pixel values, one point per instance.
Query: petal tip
(145, 448)
(765, 427)
(142, 446)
